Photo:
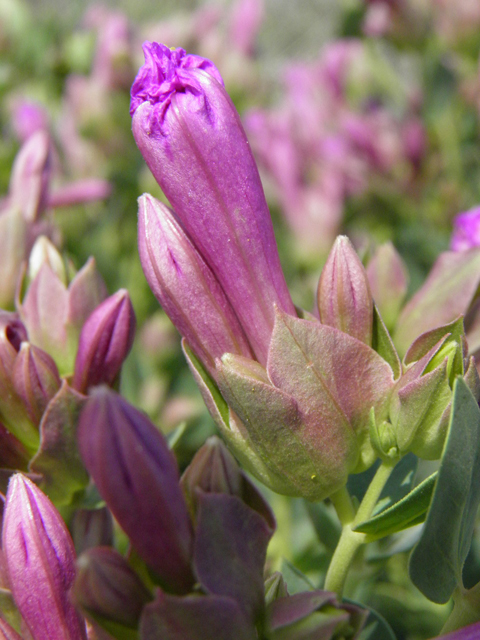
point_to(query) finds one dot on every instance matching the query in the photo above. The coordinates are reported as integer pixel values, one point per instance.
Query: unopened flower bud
(13, 249)
(105, 341)
(41, 563)
(12, 410)
(107, 587)
(388, 279)
(185, 286)
(190, 135)
(35, 379)
(344, 298)
(466, 230)
(30, 176)
(137, 475)
(91, 528)
(44, 252)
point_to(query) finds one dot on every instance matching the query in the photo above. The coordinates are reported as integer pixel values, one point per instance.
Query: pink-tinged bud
(45, 252)
(137, 475)
(41, 563)
(245, 21)
(12, 410)
(105, 341)
(466, 230)
(190, 135)
(108, 588)
(80, 192)
(344, 298)
(13, 250)
(31, 175)
(35, 379)
(54, 313)
(91, 528)
(388, 279)
(185, 286)
(27, 118)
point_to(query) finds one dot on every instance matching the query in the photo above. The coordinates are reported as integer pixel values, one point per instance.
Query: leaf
(399, 483)
(437, 560)
(376, 627)
(230, 550)
(58, 459)
(296, 581)
(325, 523)
(403, 514)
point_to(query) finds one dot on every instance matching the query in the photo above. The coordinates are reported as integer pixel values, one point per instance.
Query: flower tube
(190, 135)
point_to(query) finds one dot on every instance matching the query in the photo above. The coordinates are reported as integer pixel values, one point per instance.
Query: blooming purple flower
(190, 135)
(466, 230)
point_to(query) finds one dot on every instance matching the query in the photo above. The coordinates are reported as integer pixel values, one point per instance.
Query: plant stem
(350, 541)
(466, 609)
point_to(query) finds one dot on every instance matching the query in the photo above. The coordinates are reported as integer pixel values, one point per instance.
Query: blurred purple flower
(466, 230)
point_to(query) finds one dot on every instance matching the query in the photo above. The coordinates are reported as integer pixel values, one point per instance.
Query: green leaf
(437, 560)
(399, 483)
(325, 523)
(297, 582)
(58, 459)
(405, 513)
(376, 627)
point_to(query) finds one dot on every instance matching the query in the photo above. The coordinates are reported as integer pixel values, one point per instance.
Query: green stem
(350, 541)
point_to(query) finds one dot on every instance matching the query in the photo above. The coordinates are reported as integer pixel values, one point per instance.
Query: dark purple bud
(13, 455)
(190, 135)
(91, 528)
(36, 379)
(105, 341)
(214, 470)
(41, 563)
(137, 475)
(185, 286)
(106, 587)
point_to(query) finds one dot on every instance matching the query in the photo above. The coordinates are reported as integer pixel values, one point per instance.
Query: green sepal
(437, 560)
(405, 513)
(382, 343)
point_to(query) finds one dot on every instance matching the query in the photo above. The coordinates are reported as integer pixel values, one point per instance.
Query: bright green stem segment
(350, 541)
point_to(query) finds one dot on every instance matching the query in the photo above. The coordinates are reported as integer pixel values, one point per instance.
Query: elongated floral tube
(185, 286)
(41, 563)
(190, 135)
(137, 475)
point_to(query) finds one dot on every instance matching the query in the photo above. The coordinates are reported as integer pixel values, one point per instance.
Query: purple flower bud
(245, 21)
(388, 280)
(91, 528)
(12, 410)
(190, 135)
(27, 118)
(31, 175)
(137, 476)
(54, 313)
(105, 342)
(107, 586)
(36, 379)
(41, 563)
(13, 455)
(466, 230)
(185, 286)
(344, 298)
